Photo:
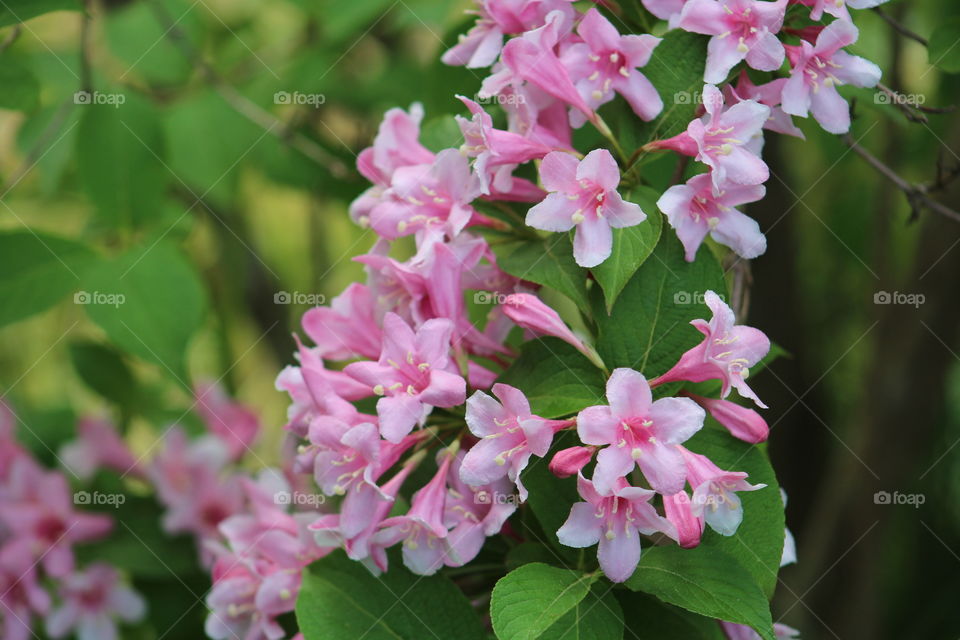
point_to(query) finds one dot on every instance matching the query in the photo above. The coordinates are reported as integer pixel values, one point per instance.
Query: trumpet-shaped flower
(584, 195)
(638, 431)
(741, 30)
(694, 210)
(607, 62)
(509, 434)
(722, 140)
(726, 353)
(817, 71)
(715, 492)
(615, 518)
(92, 602)
(413, 374)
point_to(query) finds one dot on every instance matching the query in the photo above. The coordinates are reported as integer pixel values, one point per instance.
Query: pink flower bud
(679, 512)
(567, 462)
(745, 424)
(529, 312)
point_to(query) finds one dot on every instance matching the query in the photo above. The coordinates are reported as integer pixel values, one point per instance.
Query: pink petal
(398, 415)
(592, 242)
(620, 213)
(446, 389)
(703, 16)
(628, 393)
(620, 554)
(598, 32)
(582, 527)
(613, 463)
(663, 467)
(558, 172)
(722, 55)
(640, 93)
(596, 425)
(767, 53)
(600, 168)
(555, 213)
(675, 420)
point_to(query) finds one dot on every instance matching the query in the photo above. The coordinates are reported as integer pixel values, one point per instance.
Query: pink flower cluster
(39, 526)
(728, 138)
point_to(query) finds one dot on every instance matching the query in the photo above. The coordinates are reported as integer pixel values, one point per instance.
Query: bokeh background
(222, 182)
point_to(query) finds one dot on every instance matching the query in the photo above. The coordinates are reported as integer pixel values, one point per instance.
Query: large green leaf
(14, 11)
(119, 151)
(537, 601)
(341, 600)
(556, 378)
(648, 328)
(631, 246)
(758, 543)
(37, 270)
(705, 581)
(548, 262)
(150, 302)
(650, 619)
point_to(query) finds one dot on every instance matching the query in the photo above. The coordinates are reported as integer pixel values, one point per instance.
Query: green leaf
(14, 11)
(943, 49)
(150, 302)
(548, 262)
(56, 151)
(597, 617)
(704, 581)
(105, 372)
(119, 151)
(36, 271)
(21, 90)
(758, 543)
(527, 603)
(345, 21)
(557, 379)
(631, 246)
(341, 600)
(676, 70)
(648, 328)
(650, 619)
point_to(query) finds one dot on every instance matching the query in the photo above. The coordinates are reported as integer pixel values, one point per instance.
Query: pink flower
(695, 210)
(245, 599)
(37, 510)
(639, 431)
(346, 329)
(615, 518)
(509, 434)
(726, 353)
(481, 45)
(741, 30)
(432, 197)
(769, 94)
(818, 69)
(532, 58)
(570, 461)
(680, 513)
(471, 513)
(21, 595)
(230, 421)
(714, 492)
(583, 195)
(607, 62)
(497, 152)
(722, 138)
(422, 529)
(353, 530)
(742, 423)
(413, 374)
(98, 446)
(92, 602)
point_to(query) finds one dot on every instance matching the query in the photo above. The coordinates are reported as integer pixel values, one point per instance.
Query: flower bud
(568, 462)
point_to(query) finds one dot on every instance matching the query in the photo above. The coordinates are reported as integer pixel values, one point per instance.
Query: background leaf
(341, 600)
(548, 262)
(14, 11)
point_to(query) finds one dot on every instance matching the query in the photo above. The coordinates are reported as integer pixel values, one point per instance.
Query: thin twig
(902, 30)
(246, 107)
(916, 193)
(11, 38)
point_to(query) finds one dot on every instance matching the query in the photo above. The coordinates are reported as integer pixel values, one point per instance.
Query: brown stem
(899, 28)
